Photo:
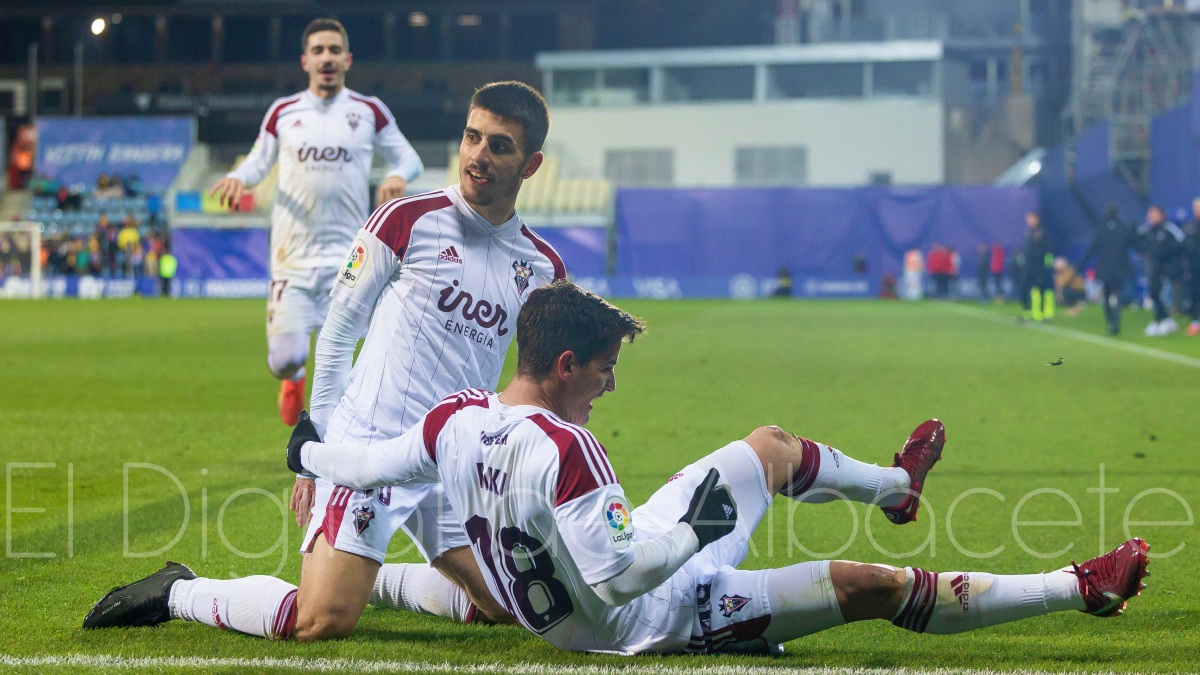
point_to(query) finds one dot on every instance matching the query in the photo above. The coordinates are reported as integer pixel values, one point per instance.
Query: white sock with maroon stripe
(421, 589)
(953, 602)
(802, 601)
(258, 605)
(826, 474)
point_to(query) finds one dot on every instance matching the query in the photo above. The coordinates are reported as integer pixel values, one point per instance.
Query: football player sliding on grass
(564, 553)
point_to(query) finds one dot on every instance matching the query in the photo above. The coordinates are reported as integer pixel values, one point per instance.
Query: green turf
(93, 386)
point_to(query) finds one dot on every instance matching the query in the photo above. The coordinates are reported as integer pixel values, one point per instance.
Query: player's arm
(399, 461)
(253, 169)
(710, 516)
(334, 356)
(403, 162)
(369, 267)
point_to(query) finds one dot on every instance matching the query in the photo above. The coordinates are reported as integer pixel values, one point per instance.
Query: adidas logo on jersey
(450, 255)
(298, 123)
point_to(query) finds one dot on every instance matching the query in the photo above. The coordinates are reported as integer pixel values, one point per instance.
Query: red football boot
(1107, 582)
(922, 450)
(291, 401)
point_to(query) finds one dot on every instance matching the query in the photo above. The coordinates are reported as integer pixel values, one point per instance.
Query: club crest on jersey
(523, 272)
(732, 603)
(353, 118)
(620, 523)
(363, 516)
(355, 264)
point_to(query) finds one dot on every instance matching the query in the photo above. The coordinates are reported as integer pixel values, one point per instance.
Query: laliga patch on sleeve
(620, 523)
(356, 265)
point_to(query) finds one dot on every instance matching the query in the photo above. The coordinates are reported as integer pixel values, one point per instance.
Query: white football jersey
(546, 518)
(443, 287)
(324, 149)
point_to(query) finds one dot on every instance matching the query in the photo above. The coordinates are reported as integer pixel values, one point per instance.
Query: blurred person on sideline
(1069, 287)
(1039, 260)
(1191, 268)
(1111, 243)
(1162, 244)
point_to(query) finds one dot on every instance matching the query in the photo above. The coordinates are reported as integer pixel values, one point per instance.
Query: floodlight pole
(79, 78)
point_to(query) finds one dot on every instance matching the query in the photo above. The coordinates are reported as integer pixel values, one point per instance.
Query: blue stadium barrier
(731, 235)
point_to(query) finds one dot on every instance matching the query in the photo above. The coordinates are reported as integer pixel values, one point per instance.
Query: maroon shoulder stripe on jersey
(394, 225)
(576, 475)
(595, 453)
(560, 270)
(381, 119)
(436, 419)
(273, 115)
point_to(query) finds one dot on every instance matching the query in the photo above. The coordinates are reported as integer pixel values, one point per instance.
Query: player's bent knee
(286, 354)
(326, 625)
(774, 446)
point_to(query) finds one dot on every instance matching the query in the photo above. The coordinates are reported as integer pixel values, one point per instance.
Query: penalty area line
(1075, 335)
(687, 665)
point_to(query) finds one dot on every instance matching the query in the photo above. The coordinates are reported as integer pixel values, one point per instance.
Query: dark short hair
(323, 24)
(563, 317)
(517, 101)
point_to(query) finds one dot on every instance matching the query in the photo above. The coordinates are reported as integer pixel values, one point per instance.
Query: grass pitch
(137, 431)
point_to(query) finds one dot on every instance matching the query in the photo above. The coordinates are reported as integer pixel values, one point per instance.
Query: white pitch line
(686, 666)
(1074, 335)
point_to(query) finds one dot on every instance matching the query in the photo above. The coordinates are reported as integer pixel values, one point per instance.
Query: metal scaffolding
(1128, 74)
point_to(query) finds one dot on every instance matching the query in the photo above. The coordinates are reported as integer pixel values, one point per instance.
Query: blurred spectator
(913, 287)
(153, 247)
(940, 264)
(1162, 244)
(955, 270)
(783, 283)
(996, 270)
(1069, 287)
(133, 186)
(1111, 241)
(129, 247)
(983, 268)
(7, 254)
(1191, 268)
(109, 187)
(1038, 297)
(20, 156)
(167, 265)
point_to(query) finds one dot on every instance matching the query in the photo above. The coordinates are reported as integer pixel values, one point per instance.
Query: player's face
(493, 163)
(588, 382)
(326, 61)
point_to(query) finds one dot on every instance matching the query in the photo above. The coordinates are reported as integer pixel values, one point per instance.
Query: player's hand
(392, 187)
(303, 433)
(712, 513)
(303, 493)
(229, 192)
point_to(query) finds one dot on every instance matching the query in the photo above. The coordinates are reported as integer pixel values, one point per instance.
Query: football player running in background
(324, 139)
(440, 278)
(551, 526)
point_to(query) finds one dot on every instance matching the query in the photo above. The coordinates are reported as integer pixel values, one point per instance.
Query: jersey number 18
(530, 591)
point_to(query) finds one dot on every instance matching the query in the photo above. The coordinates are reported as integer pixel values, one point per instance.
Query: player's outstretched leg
(257, 605)
(814, 473)
(813, 596)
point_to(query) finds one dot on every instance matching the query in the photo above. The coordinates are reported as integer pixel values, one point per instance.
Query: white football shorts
(726, 604)
(298, 300)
